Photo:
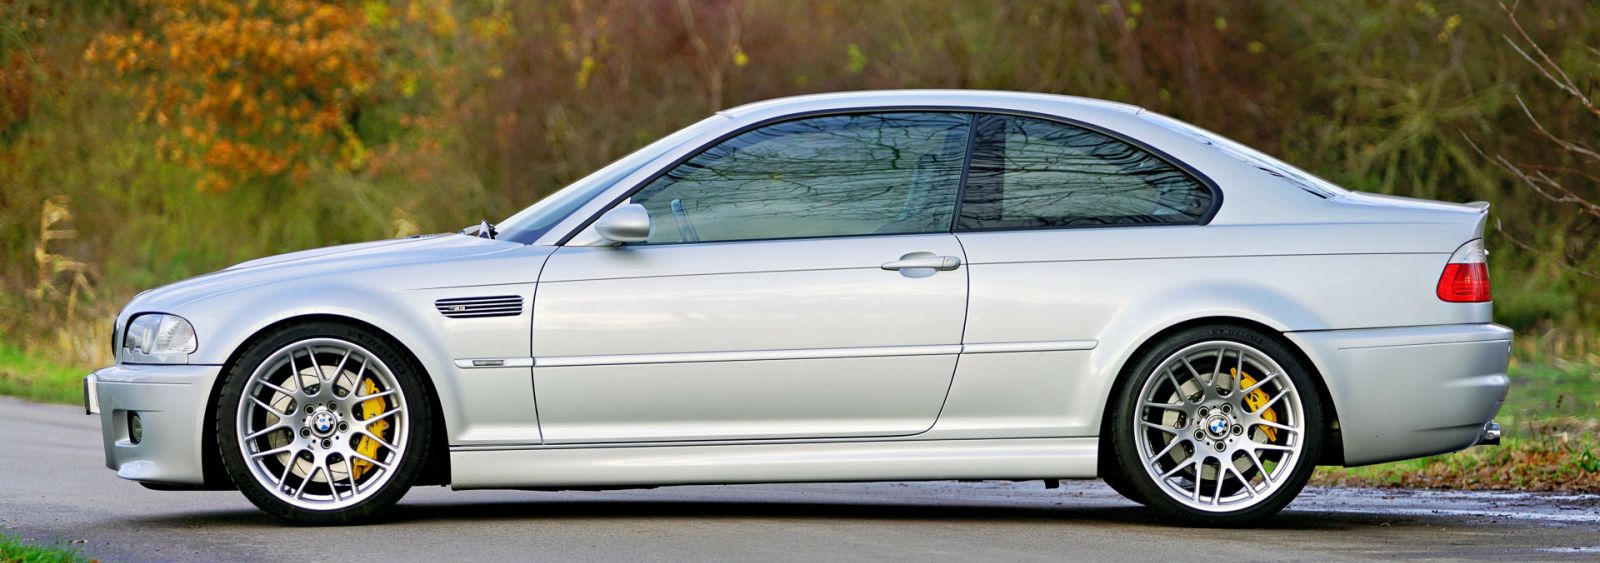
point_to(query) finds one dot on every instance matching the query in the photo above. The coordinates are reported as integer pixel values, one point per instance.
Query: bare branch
(1548, 67)
(1498, 228)
(1537, 180)
(1565, 144)
(1562, 170)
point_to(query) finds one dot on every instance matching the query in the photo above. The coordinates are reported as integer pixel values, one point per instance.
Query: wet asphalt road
(54, 488)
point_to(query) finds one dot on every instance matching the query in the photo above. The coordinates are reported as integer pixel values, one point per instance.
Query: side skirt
(907, 460)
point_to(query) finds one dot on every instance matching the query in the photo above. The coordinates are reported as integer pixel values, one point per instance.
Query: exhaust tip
(1491, 434)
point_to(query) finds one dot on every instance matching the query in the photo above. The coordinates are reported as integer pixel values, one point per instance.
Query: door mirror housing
(624, 223)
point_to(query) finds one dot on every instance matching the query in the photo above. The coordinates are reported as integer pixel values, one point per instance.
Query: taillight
(1466, 277)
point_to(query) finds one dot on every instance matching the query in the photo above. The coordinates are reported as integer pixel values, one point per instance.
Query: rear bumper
(171, 403)
(1410, 392)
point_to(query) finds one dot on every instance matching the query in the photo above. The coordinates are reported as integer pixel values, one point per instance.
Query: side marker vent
(480, 307)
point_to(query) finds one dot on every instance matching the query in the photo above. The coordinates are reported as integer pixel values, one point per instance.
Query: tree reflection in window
(835, 175)
(1034, 173)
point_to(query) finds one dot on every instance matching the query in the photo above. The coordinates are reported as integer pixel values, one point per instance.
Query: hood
(329, 251)
(364, 259)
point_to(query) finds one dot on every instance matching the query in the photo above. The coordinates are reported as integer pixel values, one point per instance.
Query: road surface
(54, 488)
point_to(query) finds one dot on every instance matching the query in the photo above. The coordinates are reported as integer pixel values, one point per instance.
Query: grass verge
(37, 378)
(14, 550)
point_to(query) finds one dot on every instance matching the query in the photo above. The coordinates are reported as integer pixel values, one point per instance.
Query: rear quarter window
(1034, 173)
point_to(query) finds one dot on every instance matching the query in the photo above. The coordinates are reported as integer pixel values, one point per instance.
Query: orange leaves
(253, 89)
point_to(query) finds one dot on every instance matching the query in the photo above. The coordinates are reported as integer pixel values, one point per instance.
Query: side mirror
(624, 223)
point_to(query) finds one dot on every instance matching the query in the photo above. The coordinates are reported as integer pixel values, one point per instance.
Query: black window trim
(972, 112)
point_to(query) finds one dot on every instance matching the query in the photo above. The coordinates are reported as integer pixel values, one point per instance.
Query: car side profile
(865, 286)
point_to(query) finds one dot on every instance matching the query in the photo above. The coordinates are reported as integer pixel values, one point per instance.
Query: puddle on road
(1590, 549)
(1549, 507)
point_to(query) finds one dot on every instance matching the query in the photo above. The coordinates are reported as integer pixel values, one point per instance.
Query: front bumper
(171, 403)
(1410, 392)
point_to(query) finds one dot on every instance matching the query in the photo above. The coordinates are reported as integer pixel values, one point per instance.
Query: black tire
(1130, 465)
(419, 417)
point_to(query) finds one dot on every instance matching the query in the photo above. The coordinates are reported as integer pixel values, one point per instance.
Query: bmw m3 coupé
(901, 285)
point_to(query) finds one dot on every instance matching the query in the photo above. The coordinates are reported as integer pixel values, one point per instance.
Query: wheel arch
(436, 473)
(1333, 450)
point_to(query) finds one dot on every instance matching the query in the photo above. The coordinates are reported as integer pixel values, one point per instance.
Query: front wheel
(1218, 426)
(323, 423)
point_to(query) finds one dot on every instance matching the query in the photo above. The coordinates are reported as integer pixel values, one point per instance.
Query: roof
(928, 98)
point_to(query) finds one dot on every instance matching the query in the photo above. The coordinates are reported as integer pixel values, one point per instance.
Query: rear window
(1295, 176)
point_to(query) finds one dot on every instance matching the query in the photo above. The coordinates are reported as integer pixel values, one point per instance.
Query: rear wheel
(323, 423)
(1217, 425)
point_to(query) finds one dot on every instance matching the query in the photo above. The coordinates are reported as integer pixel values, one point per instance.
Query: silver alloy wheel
(322, 424)
(1212, 439)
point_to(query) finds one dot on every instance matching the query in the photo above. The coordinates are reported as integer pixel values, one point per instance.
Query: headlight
(155, 338)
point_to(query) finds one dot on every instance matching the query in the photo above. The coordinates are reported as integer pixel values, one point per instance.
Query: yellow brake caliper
(368, 446)
(1255, 400)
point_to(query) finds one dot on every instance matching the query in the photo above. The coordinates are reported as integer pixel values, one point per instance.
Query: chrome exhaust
(1491, 434)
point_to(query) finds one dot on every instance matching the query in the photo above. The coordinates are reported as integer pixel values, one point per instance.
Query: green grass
(1541, 392)
(38, 378)
(14, 550)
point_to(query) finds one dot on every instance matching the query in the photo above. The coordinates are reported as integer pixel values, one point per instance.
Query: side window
(835, 175)
(1035, 173)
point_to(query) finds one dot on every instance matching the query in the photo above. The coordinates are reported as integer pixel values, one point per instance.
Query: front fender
(501, 398)
(224, 328)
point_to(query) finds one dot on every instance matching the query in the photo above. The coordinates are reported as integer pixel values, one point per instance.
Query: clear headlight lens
(155, 338)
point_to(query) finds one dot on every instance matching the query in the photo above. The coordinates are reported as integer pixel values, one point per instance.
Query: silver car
(903, 285)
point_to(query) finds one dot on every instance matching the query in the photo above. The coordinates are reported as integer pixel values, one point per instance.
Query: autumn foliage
(308, 123)
(262, 88)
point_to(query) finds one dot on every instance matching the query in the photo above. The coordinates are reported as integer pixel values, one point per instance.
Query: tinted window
(1035, 173)
(823, 176)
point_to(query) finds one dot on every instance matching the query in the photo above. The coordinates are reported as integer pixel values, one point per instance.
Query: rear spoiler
(1481, 205)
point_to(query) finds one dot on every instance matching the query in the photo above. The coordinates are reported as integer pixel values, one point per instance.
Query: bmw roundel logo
(1218, 426)
(323, 423)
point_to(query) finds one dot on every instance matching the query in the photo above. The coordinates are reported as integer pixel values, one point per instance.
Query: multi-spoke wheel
(323, 423)
(1218, 425)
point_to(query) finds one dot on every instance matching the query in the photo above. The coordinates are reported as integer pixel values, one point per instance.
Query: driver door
(800, 281)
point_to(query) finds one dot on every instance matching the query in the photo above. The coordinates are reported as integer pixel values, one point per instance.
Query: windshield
(1300, 178)
(533, 222)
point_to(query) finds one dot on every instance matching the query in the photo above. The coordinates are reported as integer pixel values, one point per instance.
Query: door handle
(924, 260)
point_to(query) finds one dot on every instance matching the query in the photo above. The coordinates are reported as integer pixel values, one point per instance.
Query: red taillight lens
(1466, 277)
(1465, 283)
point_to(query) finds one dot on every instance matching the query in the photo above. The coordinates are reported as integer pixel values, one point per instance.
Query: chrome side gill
(480, 307)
